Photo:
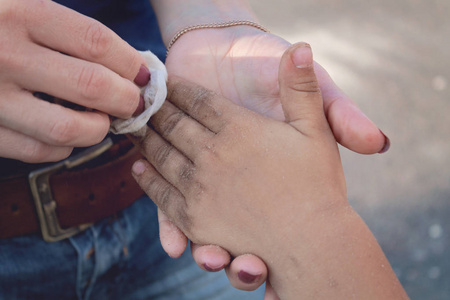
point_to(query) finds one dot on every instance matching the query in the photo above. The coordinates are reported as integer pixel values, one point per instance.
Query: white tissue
(154, 93)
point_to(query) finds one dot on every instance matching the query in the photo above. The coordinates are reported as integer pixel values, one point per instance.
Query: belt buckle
(43, 199)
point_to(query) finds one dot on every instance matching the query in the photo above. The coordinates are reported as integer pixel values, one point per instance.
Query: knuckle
(203, 102)
(9, 11)
(9, 61)
(63, 131)
(10, 58)
(187, 174)
(170, 201)
(200, 192)
(162, 193)
(170, 123)
(34, 152)
(91, 82)
(321, 125)
(98, 40)
(37, 152)
(161, 154)
(202, 96)
(209, 154)
(309, 85)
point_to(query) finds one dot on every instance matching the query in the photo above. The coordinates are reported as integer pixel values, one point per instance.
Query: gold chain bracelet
(212, 25)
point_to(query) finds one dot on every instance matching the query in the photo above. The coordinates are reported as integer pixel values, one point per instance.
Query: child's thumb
(299, 90)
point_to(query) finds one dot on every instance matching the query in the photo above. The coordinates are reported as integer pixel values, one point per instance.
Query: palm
(243, 69)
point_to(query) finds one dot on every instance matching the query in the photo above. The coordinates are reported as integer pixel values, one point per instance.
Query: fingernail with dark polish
(387, 144)
(212, 269)
(248, 278)
(140, 108)
(143, 77)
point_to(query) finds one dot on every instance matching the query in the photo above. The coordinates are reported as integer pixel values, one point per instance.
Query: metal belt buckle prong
(43, 199)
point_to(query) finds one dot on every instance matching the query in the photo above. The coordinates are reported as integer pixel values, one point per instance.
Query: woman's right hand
(51, 49)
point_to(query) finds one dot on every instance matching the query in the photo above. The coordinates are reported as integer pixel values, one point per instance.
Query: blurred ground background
(393, 59)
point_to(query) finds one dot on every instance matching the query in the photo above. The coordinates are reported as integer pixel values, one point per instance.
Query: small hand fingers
(210, 258)
(299, 90)
(247, 272)
(18, 146)
(165, 195)
(185, 133)
(173, 165)
(208, 108)
(172, 239)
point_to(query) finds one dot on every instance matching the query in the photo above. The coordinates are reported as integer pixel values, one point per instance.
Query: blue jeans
(117, 258)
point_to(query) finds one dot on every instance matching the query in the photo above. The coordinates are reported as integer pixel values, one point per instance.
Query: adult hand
(48, 48)
(241, 63)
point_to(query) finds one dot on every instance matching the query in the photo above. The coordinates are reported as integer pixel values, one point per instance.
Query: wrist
(214, 26)
(173, 16)
(335, 256)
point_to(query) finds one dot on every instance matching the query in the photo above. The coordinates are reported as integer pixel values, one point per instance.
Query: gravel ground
(393, 59)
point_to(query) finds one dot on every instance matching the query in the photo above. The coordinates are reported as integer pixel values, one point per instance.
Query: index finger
(208, 108)
(65, 30)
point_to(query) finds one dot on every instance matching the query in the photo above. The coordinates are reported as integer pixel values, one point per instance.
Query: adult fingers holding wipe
(51, 49)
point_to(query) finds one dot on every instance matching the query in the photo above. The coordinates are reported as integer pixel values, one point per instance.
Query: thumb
(299, 90)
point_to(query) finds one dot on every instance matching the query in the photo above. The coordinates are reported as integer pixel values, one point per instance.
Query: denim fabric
(117, 258)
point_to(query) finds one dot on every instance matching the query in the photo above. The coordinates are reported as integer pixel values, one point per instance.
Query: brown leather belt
(67, 197)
